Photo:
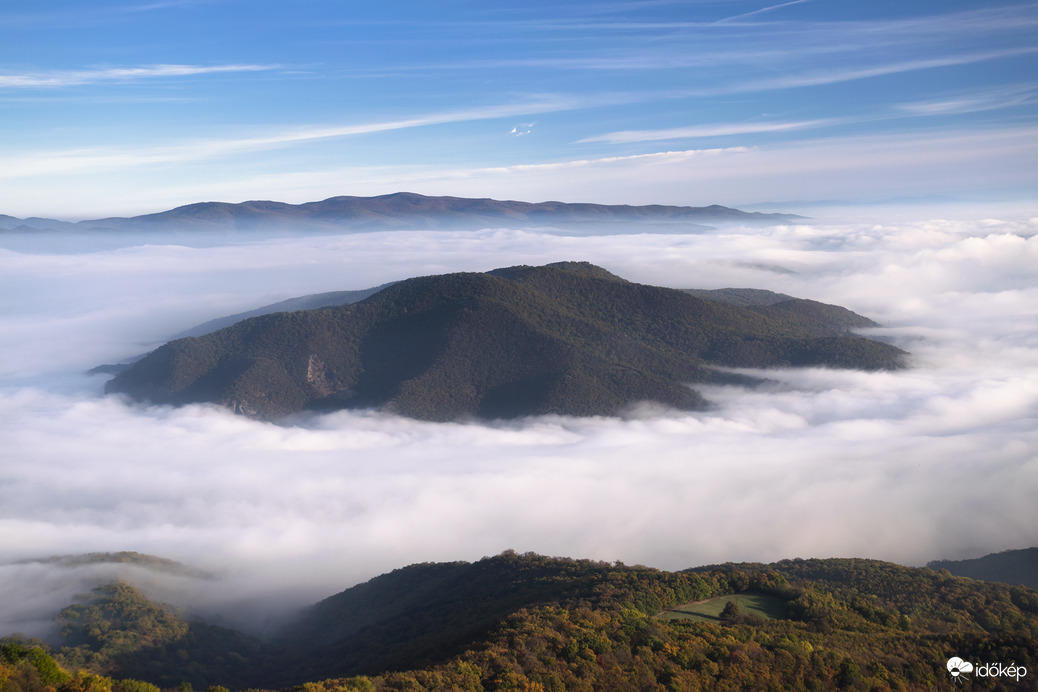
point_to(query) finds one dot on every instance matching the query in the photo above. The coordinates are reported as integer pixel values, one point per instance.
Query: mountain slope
(1008, 567)
(848, 624)
(116, 630)
(313, 301)
(531, 622)
(567, 338)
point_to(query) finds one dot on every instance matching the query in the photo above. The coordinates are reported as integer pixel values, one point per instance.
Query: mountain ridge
(529, 621)
(400, 211)
(1007, 567)
(567, 338)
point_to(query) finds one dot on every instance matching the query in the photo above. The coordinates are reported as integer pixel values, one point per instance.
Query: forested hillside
(1007, 567)
(567, 338)
(531, 622)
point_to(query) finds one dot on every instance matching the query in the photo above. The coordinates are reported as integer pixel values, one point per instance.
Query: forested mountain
(399, 211)
(117, 631)
(567, 338)
(531, 622)
(1007, 567)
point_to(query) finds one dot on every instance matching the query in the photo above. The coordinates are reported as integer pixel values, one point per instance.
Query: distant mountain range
(567, 338)
(400, 211)
(527, 621)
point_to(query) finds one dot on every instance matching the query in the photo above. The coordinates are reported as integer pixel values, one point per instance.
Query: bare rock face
(567, 338)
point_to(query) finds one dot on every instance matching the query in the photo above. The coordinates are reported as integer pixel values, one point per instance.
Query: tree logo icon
(958, 668)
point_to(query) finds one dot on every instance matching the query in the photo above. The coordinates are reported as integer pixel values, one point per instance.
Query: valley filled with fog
(937, 461)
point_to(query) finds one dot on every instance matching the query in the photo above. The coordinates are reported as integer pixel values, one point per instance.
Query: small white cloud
(522, 129)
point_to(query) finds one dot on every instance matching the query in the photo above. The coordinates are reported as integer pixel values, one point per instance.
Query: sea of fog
(937, 461)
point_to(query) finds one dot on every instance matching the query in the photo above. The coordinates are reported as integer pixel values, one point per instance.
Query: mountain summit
(567, 338)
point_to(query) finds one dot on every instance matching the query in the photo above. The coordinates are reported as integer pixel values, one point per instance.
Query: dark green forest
(567, 338)
(528, 622)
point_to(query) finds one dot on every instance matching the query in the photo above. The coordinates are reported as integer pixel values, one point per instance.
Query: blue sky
(131, 107)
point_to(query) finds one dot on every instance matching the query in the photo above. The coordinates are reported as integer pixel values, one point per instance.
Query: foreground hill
(532, 622)
(567, 338)
(399, 211)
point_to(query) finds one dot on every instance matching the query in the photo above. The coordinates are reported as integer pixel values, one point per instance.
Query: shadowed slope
(1008, 567)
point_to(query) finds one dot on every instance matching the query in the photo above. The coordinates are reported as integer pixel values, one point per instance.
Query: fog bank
(938, 461)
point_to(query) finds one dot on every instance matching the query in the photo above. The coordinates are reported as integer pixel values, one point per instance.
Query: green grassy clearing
(769, 607)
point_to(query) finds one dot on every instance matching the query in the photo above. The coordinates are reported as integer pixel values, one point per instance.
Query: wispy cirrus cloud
(823, 77)
(973, 101)
(165, 5)
(793, 76)
(63, 161)
(717, 130)
(654, 157)
(63, 78)
(678, 44)
(953, 103)
(744, 15)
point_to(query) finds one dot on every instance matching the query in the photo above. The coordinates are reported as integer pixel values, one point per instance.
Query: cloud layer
(938, 461)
